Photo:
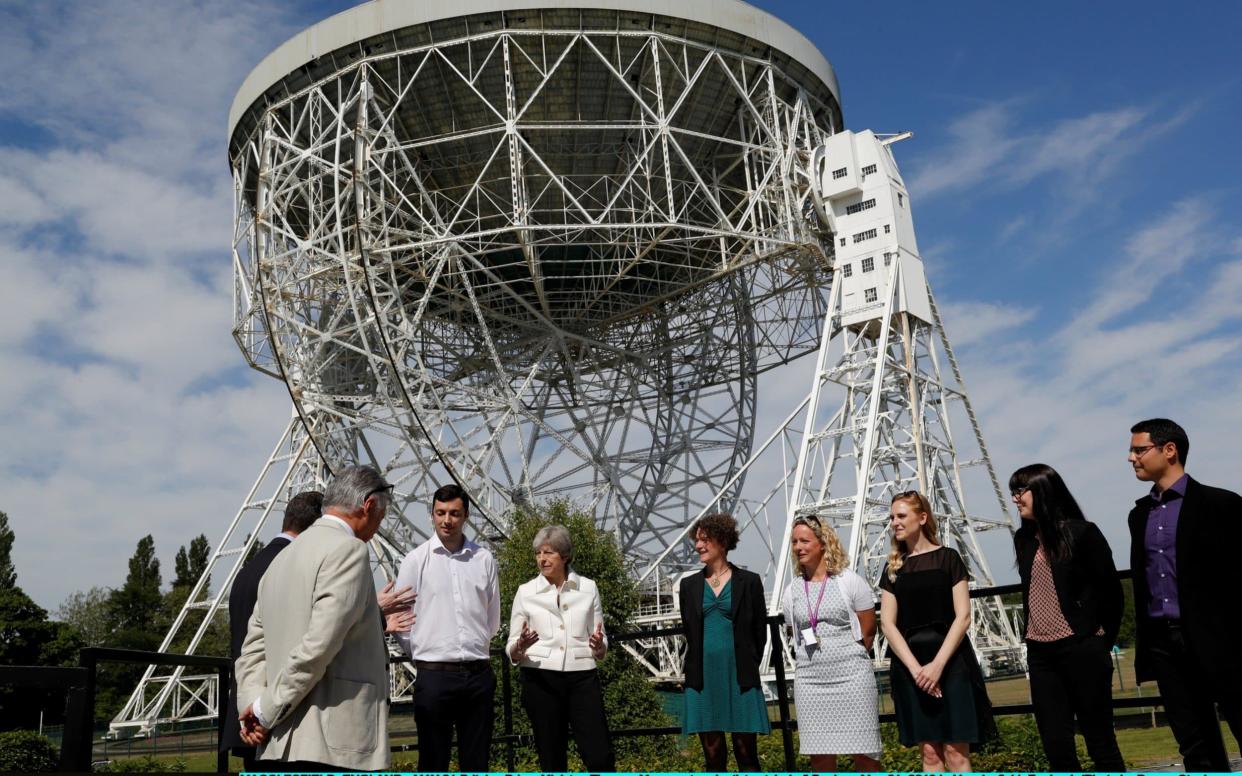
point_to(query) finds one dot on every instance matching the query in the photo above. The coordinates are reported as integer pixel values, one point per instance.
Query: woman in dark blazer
(1072, 602)
(722, 609)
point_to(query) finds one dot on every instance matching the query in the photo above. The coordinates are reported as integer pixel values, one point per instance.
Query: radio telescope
(544, 251)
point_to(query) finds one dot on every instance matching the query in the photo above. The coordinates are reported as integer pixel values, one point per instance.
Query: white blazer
(564, 627)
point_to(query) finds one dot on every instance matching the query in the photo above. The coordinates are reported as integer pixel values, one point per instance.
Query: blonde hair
(834, 553)
(897, 557)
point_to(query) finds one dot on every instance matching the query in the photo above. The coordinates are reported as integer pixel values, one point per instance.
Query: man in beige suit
(312, 670)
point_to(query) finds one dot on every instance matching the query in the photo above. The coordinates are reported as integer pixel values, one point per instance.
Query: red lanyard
(814, 613)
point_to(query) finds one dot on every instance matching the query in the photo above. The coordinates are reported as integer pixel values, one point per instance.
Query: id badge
(808, 637)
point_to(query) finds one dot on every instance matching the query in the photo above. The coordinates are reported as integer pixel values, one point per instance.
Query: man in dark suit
(1186, 617)
(301, 511)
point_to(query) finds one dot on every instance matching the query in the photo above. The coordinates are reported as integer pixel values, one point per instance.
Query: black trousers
(444, 700)
(557, 701)
(249, 757)
(1071, 678)
(1190, 697)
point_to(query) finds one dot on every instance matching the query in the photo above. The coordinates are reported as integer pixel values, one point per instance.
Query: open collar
(572, 582)
(467, 548)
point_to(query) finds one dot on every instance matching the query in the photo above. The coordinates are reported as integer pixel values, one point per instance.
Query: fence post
(86, 659)
(508, 695)
(222, 699)
(74, 730)
(782, 692)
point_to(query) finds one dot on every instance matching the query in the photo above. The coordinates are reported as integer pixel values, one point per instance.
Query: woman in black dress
(938, 692)
(1072, 602)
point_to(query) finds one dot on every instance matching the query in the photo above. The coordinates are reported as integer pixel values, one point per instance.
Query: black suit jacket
(242, 596)
(1207, 581)
(1087, 585)
(749, 629)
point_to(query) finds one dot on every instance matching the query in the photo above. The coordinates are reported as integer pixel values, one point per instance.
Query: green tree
(629, 699)
(191, 564)
(136, 605)
(88, 613)
(254, 550)
(138, 616)
(8, 574)
(27, 638)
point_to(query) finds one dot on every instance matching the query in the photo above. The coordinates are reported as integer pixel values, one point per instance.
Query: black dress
(924, 592)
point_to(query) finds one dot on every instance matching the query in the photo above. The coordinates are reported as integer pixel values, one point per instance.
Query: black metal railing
(79, 684)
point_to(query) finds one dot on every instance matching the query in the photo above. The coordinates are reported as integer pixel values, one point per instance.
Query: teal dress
(720, 705)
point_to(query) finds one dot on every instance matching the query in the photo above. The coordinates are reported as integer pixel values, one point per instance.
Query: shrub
(144, 764)
(27, 751)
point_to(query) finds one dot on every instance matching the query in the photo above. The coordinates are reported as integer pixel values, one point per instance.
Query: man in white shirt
(458, 613)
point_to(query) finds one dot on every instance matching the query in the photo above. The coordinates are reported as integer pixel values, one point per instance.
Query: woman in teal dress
(722, 609)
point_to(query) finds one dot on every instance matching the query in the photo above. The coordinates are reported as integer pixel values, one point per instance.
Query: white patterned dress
(834, 687)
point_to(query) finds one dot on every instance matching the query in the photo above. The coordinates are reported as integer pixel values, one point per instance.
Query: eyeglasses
(1017, 493)
(385, 489)
(1138, 452)
(906, 494)
(808, 519)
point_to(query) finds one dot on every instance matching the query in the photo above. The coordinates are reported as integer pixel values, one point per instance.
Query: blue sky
(1074, 176)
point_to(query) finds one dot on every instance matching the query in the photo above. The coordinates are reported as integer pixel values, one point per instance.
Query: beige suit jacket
(314, 654)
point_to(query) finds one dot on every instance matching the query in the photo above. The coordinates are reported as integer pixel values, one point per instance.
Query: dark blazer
(1087, 585)
(750, 632)
(1206, 573)
(242, 596)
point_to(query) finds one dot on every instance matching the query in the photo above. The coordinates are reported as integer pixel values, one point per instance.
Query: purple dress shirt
(1160, 542)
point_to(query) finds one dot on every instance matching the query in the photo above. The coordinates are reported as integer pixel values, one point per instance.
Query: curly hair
(720, 528)
(834, 553)
(897, 557)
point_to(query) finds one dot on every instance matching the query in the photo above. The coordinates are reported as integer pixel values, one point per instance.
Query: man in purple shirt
(1186, 618)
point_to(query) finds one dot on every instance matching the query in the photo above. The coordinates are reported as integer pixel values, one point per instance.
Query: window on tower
(847, 271)
(859, 207)
(868, 264)
(867, 235)
(869, 170)
(870, 295)
(839, 174)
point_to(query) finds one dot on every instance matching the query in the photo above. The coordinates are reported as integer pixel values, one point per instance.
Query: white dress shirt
(564, 620)
(458, 608)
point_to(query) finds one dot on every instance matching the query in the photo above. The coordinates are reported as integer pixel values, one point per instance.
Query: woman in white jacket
(556, 635)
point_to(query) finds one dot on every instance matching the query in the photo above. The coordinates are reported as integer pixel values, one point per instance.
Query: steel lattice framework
(595, 262)
(544, 252)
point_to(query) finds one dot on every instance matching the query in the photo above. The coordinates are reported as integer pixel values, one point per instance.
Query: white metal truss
(540, 261)
(543, 324)
(552, 260)
(888, 426)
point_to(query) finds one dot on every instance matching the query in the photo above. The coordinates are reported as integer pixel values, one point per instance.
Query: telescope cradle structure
(546, 252)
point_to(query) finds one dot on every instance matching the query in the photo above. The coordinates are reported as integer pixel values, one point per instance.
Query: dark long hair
(1054, 506)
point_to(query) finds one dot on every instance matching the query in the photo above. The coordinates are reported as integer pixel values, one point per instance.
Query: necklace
(717, 580)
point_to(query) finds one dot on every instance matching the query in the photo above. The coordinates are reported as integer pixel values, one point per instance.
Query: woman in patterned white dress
(830, 617)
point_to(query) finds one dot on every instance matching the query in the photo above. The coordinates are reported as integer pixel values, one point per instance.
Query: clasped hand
(927, 677)
(253, 733)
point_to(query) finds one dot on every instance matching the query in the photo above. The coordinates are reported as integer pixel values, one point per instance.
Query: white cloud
(124, 404)
(980, 141)
(1069, 396)
(994, 147)
(968, 323)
